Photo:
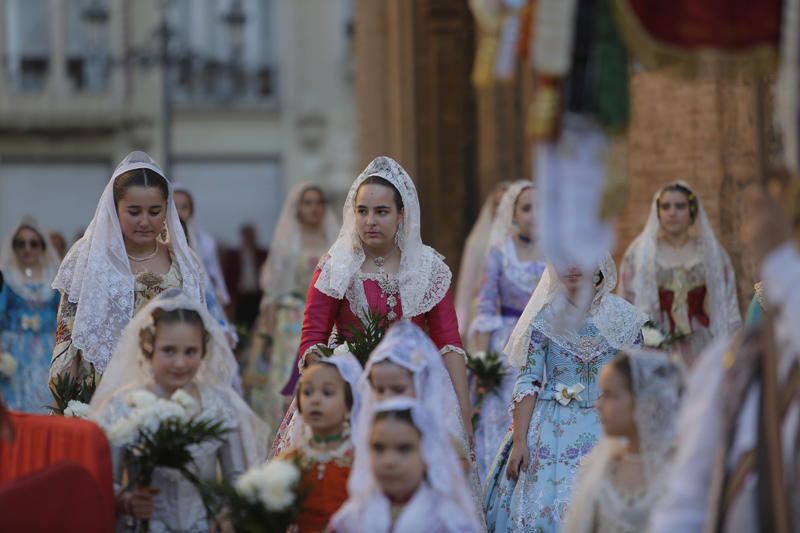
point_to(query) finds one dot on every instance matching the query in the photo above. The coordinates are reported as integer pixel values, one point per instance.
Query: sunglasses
(32, 244)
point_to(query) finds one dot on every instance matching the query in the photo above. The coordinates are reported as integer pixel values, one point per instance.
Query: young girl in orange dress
(327, 401)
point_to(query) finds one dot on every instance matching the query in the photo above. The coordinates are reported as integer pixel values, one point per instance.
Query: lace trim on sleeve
(452, 348)
(518, 397)
(486, 324)
(302, 363)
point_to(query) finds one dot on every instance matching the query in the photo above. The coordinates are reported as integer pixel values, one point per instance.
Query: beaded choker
(330, 438)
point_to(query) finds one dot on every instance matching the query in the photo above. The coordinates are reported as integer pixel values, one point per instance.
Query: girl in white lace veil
(141, 365)
(96, 275)
(639, 283)
(295, 431)
(424, 277)
(14, 272)
(622, 478)
(28, 311)
(548, 311)
(408, 347)
(129, 370)
(203, 244)
(473, 257)
(277, 273)
(440, 502)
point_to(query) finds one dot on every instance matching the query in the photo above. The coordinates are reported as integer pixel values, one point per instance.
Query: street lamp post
(96, 18)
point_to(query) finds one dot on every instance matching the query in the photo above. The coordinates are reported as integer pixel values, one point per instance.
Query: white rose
(142, 398)
(76, 409)
(273, 484)
(653, 338)
(185, 400)
(8, 365)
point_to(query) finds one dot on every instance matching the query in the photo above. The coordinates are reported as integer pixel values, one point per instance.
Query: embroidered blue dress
(559, 435)
(506, 287)
(27, 332)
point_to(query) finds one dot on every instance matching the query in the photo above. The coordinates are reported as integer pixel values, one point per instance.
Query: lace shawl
(424, 276)
(96, 273)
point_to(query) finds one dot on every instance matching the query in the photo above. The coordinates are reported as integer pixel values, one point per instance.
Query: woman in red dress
(379, 262)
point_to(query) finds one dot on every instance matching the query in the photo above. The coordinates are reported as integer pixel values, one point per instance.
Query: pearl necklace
(143, 259)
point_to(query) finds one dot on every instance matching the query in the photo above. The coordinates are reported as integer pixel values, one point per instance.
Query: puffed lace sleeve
(488, 319)
(531, 376)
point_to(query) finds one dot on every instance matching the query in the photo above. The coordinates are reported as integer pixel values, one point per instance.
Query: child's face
(322, 399)
(177, 354)
(396, 457)
(615, 405)
(389, 380)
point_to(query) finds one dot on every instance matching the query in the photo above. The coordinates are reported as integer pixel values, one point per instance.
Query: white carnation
(8, 365)
(123, 432)
(273, 484)
(76, 409)
(653, 338)
(185, 400)
(479, 355)
(341, 349)
(142, 398)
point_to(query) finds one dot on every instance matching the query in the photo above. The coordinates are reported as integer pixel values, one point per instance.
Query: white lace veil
(205, 247)
(473, 258)
(368, 509)
(278, 270)
(296, 430)
(657, 383)
(639, 270)
(96, 273)
(617, 321)
(424, 277)
(129, 369)
(406, 345)
(13, 271)
(503, 225)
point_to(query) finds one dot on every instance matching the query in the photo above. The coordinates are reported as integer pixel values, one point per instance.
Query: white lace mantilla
(423, 275)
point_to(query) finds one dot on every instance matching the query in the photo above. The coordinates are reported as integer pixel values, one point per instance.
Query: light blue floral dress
(27, 332)
(506, 287)
(559, 435)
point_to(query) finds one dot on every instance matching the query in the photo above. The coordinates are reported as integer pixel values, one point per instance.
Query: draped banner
(742, 33)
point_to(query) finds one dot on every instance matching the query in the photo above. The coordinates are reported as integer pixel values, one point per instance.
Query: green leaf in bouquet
(488, 371)
(66, 388)
(362, 340)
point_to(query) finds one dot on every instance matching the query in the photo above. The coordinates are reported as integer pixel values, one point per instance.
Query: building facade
(241, 100)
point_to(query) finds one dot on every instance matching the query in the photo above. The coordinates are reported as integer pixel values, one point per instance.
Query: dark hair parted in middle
(139, 177)
(383, 182)
(147, 336)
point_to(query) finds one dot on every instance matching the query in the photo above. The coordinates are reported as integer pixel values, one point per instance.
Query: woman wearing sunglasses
(27, 317)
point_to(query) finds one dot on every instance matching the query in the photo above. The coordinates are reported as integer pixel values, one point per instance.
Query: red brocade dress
(323, 312)
(682, 295)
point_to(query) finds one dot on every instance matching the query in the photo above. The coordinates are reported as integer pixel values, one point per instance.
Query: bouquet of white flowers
(8, 365)
(265, 498)
(66, 390)
(657, 339)
(76, 409)
(159, 433)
